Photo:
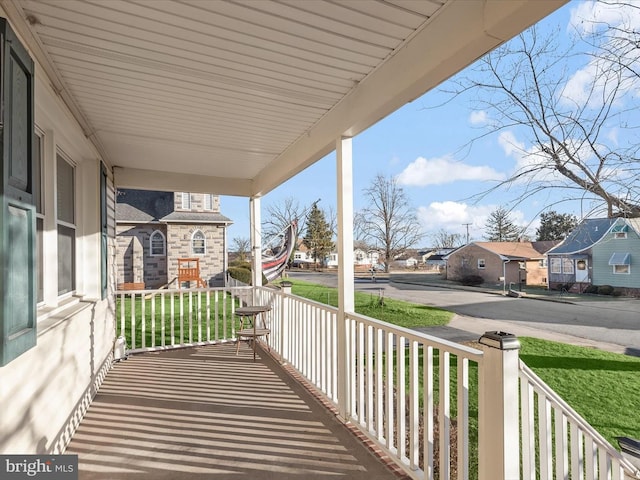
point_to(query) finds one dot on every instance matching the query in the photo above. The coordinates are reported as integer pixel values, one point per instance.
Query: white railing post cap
(500, 340)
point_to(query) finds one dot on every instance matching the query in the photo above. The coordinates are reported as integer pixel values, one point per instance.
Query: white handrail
(579, 424)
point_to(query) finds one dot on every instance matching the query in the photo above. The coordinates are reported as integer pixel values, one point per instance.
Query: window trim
(60, 155)
(628, 268)
(187, 196)
(209, 197)
(555, 266)
(155, 233)
(482, 264)
(204, 243)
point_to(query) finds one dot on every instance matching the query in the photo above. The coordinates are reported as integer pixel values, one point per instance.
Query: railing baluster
(463, 418)
(162, 319)
(562, 445)
(414, 413)
(389, 427)
(133, 321)
(427, 352)
(527, 408)
(369, 378)
(444, 415)
(544, 435)
(153, 320)
(143, 321)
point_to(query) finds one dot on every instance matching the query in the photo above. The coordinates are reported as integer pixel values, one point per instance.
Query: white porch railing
(162, 319)
(428, 405)
(563, 445)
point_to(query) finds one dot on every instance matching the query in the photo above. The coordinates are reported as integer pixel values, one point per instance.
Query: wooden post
(498, 419)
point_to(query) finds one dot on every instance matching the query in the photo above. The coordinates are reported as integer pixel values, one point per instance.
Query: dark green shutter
(17, 213)
(103, 231)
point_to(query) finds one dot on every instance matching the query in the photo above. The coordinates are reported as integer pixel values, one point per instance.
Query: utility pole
(467, 225)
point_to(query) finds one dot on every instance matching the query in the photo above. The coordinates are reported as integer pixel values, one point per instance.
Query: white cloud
(597, 79)
(453, 217)
(438, 171)
(589, 16)
(478, 117)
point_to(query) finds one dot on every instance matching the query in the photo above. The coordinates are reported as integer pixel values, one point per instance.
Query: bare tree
(444, 239)
(571, 129)
(280, 215)
(241, 246)
(388, 221)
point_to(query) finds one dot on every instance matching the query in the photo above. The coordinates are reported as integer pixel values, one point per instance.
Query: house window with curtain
(157, 244)
(198, 243)
(556, 265)
(186, 201)
(567, 265)
(66, 225)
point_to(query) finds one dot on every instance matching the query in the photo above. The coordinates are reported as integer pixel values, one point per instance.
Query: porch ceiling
(237, 97)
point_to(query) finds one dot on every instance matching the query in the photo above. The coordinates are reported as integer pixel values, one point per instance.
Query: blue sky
(421, 146)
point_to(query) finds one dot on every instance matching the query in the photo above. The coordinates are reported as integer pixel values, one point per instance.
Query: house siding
(211, 263)
(46, 390)
(134, 260)
(602, 251)
(471, 254)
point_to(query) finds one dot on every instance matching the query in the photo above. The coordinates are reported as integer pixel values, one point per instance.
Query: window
(198, 243)
(619, 235)
(621, 262)
(556, 265)
(567, 265)
(542, 263)
(186, 201)
(481, 263)
(65, 199)
(37, 199)
(157, 244)
(621, 269)
(208, 201)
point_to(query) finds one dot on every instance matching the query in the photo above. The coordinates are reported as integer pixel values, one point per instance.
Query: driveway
(612, 324)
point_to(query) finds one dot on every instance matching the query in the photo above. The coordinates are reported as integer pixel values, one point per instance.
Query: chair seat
(250, 332)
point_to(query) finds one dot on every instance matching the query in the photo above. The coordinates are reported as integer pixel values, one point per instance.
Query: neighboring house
(500, 262)
(599, 251)
(404, 261)
(434, 258)
(156, 229)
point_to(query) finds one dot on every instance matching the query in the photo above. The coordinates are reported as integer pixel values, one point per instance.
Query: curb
(484, 290)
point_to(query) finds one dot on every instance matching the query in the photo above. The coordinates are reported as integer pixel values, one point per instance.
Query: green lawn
(397, 312)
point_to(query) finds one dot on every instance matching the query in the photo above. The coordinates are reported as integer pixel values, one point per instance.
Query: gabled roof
(145, 206)
(589, 232)
(512, 250)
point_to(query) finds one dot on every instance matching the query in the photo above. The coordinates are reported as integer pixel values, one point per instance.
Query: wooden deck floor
(205, 413)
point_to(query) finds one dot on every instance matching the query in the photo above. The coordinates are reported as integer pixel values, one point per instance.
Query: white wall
(45, 391)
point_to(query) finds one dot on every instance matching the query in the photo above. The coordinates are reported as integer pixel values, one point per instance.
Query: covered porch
(236, 98)
(205, 412)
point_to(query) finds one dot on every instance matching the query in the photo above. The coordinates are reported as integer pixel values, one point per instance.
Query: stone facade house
(156, 229)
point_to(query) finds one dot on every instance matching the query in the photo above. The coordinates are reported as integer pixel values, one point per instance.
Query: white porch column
(256, 242)
(346, 302)
(498, 417)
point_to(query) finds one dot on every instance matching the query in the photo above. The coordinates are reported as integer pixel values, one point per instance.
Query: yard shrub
(591, 289)
(616, 293)
(472, 280)
(241, 274)
(605, 290)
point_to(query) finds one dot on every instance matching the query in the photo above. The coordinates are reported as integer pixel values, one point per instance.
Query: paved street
(612, 324)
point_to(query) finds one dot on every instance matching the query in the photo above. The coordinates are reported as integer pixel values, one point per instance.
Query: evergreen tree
(500, 228)
(555, 226)
(318, 235)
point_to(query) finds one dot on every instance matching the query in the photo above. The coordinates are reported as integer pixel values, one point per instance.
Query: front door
(582, 270)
